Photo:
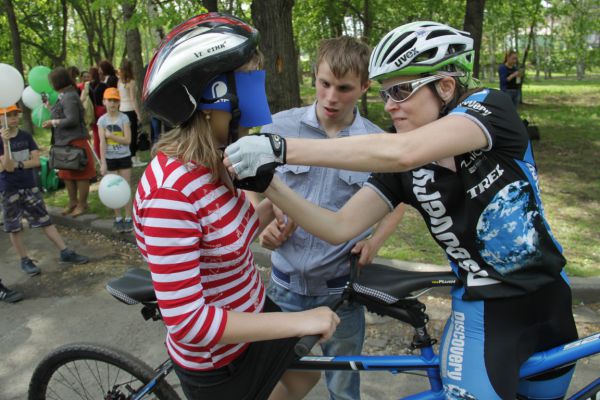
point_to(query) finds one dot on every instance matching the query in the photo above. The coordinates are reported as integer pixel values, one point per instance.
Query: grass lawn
(567, 113)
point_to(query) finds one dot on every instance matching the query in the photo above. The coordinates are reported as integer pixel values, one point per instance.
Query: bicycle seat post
(416, 311)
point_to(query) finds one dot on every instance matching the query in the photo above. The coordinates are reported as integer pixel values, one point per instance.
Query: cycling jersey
(487, 216)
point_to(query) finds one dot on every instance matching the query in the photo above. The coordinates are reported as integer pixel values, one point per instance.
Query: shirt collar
(356, 128)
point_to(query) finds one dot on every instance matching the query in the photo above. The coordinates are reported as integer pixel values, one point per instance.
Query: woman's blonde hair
(192, 141)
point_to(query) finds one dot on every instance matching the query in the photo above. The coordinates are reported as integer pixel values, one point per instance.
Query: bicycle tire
(65, 363)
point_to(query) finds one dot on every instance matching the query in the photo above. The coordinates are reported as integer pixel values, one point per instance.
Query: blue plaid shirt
(304, 263)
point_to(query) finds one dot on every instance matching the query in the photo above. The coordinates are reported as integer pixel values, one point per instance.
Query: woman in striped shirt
(194, 228)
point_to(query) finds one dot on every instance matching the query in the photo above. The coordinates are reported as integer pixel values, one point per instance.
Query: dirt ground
(384, 335)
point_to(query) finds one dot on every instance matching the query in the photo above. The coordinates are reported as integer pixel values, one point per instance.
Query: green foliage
(315, 20)
(96, 28)
(40, 29)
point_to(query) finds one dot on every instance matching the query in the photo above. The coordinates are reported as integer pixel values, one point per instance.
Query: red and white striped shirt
(195, 235)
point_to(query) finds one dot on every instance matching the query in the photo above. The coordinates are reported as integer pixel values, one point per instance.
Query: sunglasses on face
(402, 91)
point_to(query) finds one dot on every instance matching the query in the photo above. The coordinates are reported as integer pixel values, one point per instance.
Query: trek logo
(214, 49)
(476, 106)
(441, 225)
(457, 347)
(486, 182)
(410, 54)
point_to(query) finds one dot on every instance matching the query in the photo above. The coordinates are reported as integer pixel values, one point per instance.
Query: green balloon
(52, 97)
(39, 115)
(38, 79)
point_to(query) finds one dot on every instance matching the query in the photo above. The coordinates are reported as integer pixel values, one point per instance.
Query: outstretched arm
(445, 137)
(363, 210)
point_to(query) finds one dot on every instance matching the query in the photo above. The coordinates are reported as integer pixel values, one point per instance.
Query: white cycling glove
(255, 154)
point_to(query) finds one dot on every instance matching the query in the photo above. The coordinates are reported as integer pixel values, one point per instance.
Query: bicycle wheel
(90, 371)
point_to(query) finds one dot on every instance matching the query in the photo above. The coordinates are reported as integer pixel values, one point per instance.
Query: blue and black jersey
(488, 215)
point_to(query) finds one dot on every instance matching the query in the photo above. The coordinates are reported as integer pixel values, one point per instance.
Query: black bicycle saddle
(389, 285)
(134, 287)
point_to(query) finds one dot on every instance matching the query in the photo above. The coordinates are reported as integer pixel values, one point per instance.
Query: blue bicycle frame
(409, 311)
(428, 361)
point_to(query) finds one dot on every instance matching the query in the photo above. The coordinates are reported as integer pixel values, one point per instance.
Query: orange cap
(9, 109)
(112, 94)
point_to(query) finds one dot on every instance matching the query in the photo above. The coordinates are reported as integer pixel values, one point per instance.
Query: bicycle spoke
(69, 384)
(97, 376)
(79, 377)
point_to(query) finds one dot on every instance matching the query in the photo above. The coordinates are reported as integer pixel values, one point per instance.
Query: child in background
(115, 156)
(19, 192)
(129, 106)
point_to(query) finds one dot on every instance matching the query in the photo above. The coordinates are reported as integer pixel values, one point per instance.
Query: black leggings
(252, 376)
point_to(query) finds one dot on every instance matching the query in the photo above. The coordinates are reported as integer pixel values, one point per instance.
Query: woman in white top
(129, 105)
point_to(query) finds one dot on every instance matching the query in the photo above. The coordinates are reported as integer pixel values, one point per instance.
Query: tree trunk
(134, 46)
(88, 20)
(550, 47)
(515, 31)
(473, 24)
(273, 18)
(367, 27)
(63, 43)
(531, 35)
(157, 33)
(210, 5)
(492, 70)
(537, 59)
(15, 40)
(580, 68)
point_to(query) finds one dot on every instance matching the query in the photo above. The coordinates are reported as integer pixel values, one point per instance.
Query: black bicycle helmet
(192, 54)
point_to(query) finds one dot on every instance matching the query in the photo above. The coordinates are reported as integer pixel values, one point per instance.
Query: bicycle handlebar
(306, 343)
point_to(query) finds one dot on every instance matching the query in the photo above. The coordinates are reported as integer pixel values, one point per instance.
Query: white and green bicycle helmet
(423, 48)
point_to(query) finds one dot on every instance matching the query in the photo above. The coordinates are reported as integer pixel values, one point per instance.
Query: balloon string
(8, 140)
(93, 152)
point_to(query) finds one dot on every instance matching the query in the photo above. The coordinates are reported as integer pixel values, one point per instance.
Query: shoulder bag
(67, 157)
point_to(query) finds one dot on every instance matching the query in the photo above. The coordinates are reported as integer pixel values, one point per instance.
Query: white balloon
(11, 85)
(114, 191)
(31, 98)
